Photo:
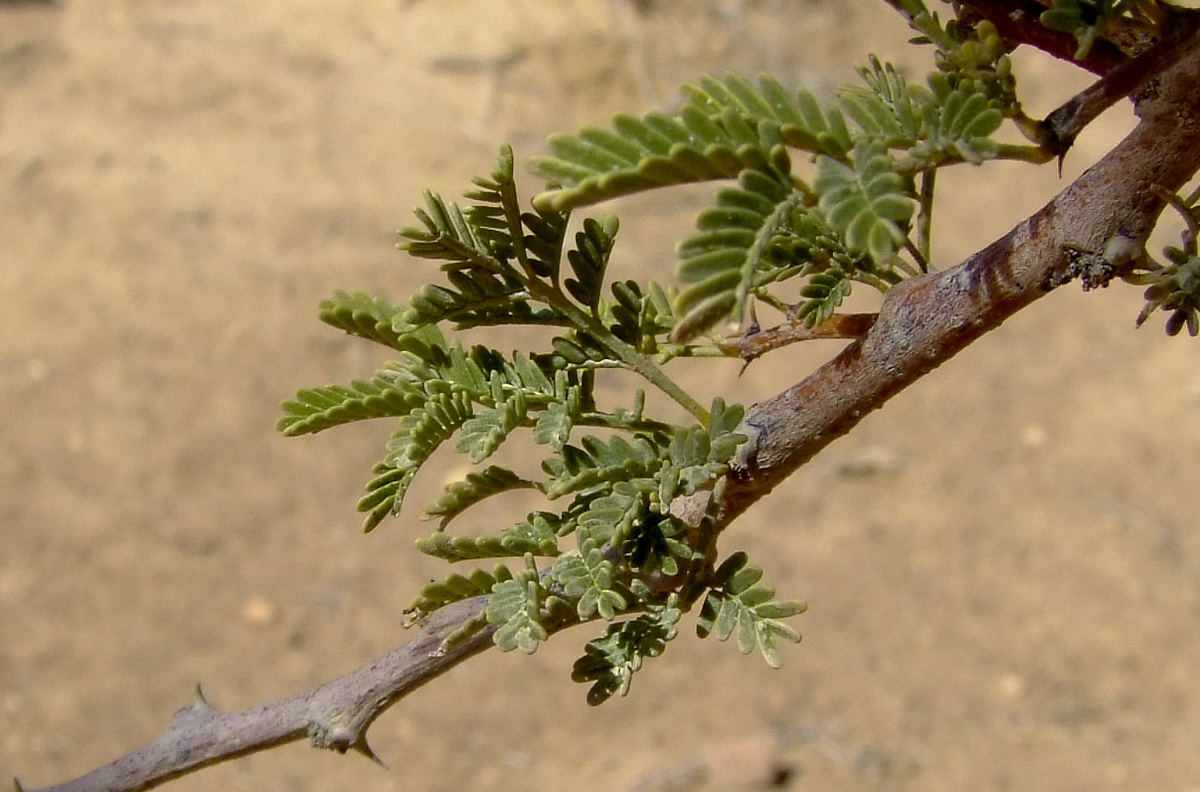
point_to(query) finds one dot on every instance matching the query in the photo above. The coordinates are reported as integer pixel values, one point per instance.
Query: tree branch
(922, 323)
(335, 715)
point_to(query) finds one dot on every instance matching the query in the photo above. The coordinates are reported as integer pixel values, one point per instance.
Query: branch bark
(922, 323)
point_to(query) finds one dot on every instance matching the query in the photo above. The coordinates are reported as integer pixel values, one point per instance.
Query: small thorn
(363, 748)
(200, 702)
(754, 327)
(17, 785)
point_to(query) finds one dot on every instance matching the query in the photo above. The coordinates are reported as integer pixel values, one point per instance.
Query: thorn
(200, 702)
(17, 785)
(754, 327)
(363, 748)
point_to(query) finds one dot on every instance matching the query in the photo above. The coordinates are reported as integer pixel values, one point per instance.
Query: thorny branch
(922, 323)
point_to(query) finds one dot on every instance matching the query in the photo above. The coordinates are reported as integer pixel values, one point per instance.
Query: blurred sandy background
(1002, 567)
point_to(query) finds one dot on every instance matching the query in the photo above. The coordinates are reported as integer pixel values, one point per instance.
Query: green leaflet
(1174, 286)
(513, 542)
(589, 260)
(478, 299)
(554, 424)
(537, 535)
(655, 545)
(823, 295)
(394, 391)
(483, 432)
(867, 203)
(779, 117)
(952, 120)
(596, 165)
(610, 518)
(884, 109)
(957, 124)
(490, 254)
(641, 319)
(448, 237)
(811, 248)
(1175, 289)
(724, 128)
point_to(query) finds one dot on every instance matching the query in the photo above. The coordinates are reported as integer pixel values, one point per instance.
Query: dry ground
(1002, 567)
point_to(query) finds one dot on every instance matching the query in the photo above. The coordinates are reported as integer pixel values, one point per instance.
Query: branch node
(1097, 270)
(337, 735)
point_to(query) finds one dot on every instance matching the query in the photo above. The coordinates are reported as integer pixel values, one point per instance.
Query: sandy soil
(1002, 568)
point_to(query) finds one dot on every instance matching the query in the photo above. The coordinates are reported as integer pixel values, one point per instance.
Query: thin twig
(1126, 79)
(759, 342)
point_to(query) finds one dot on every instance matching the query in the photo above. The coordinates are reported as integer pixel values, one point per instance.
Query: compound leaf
(513, 542)
(823, 294)
(609, 662)
(595, 461)
(775, 115)
(457, 587)
(420, 433)
(362, 315)
(737, 605)
(484, 431)
(316, 409)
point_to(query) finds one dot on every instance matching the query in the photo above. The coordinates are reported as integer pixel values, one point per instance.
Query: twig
(1120, 75)
(1066, 122)
(922, 323)
(757, 343)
